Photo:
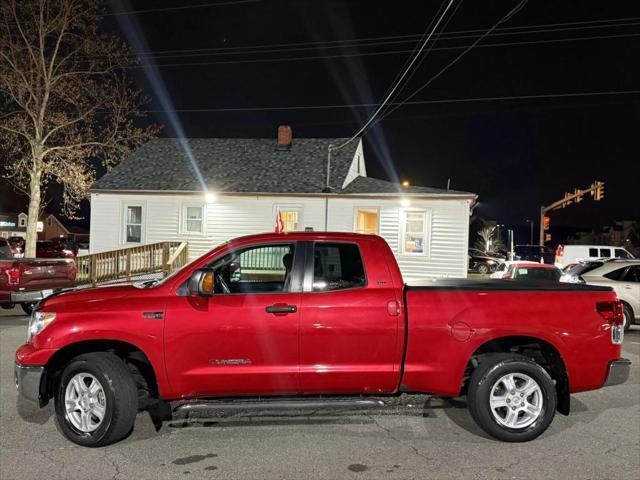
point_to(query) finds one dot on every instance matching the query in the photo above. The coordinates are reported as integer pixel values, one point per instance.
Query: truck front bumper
(29, 297)
(618, 372)
(28, 381)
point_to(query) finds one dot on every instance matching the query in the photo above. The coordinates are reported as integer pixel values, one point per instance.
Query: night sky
(516, 154)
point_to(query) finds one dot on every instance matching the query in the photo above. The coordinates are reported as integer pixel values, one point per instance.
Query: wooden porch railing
(160, 258)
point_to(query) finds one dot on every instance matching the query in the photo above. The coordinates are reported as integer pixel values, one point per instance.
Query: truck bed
(502, 285)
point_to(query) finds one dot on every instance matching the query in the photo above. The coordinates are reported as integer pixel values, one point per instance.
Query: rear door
(631, 285)
(350, 321)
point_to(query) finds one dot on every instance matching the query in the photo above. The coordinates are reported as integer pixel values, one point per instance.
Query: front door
(350, 332)
(244, 339)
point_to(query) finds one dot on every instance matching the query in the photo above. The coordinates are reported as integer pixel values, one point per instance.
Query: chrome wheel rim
(85, 402)
(516, 401)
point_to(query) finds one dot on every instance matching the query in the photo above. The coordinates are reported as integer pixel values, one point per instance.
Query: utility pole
(596, 190)
(531, 235)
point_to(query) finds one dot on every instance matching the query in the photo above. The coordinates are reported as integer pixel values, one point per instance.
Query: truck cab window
(263, 269)
(337, 266)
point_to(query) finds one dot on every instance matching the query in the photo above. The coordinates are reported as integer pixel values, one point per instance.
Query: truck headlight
(38, 322)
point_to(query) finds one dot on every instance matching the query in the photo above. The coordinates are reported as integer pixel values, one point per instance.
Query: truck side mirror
(201, 283)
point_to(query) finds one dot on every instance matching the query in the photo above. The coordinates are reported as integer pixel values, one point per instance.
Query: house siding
(232, 216)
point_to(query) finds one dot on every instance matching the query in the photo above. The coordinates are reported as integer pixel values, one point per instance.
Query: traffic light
(599, 192)
(567, 200)
(545, 223)
(578, 194)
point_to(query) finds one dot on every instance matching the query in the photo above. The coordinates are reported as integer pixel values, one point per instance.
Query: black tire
(628, 316)
(483, 269)
(493, 367)
(28, 307)
(120, 393)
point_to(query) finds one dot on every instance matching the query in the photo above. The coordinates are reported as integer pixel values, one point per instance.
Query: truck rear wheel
(96, 401)
(511, 397)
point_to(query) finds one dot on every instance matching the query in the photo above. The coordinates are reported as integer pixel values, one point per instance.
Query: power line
(181, 7)
(414, 102)
(462, 54)
(393, 89)
(352, 43)
(385, 52)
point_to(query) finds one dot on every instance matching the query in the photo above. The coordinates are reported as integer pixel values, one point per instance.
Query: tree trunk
(34, 211)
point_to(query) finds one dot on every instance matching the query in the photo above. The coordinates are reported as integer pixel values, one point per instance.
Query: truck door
(243, 340)
(350, 321)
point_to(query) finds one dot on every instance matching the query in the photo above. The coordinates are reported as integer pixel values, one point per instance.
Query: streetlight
(509, 240)
(531, 236)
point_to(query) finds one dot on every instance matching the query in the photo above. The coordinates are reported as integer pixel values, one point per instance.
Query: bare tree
(489, 241)
(65, 101)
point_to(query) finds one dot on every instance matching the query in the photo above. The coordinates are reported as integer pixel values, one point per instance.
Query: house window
(193, 219)
(291, 218)
(133, 226)
(414, 232)
(22, 221)
(367, 221)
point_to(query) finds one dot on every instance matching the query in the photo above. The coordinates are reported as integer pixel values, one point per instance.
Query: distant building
(155, 195)
(15, 225)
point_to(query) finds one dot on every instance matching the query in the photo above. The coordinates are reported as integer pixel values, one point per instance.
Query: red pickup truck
(26, 281)
(310, 320)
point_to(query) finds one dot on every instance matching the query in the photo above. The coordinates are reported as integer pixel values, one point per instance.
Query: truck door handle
(281, 309)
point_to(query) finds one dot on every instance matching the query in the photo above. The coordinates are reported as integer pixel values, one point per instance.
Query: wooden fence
(157, 259)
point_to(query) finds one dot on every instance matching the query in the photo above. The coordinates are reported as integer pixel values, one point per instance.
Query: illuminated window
(367, 221)
(414, 232)
(291, 218)
(193, 219)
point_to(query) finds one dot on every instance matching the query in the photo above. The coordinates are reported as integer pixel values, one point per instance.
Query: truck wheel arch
(135, 358)
(542, 351)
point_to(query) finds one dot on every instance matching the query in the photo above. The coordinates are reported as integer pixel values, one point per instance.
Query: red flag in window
(279, 223)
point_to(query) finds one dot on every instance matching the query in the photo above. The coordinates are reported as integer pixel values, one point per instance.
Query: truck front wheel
(96, 400)
(511, 397)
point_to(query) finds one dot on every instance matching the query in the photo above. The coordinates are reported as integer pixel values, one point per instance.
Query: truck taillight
(612, 312)
(13, 276)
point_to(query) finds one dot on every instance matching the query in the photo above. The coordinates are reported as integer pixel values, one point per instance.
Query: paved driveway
(599, 440)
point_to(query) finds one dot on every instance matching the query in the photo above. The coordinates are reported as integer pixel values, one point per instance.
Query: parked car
(622, 275)
(504, 267)
(66, 245)
(323, 318)
(535, 253)
(53, 249)
(527, 271)
(26, 281)
(482, 262)
(566, 254)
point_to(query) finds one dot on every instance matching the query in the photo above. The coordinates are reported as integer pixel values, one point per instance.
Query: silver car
(622, 275)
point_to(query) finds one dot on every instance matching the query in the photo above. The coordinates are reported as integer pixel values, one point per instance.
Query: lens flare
(137, 41)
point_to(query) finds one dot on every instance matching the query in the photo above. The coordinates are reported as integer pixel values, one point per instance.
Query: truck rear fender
(541, 351)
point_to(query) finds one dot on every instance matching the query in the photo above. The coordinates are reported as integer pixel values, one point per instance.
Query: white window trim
(143, 226)
(290, 207)
(427, 232)
(22, 220)
(355, 217)
(183, 219)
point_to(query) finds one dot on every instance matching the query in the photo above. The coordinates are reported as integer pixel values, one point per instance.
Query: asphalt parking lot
(601, 439)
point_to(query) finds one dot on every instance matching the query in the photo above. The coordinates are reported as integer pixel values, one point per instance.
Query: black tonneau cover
(495, 285)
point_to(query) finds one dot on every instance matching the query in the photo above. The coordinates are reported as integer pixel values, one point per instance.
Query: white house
(157, 195)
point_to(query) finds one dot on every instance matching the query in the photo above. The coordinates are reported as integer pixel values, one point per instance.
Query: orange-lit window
(367, 221)
(290, 220)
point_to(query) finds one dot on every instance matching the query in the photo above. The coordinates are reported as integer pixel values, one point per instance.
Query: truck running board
(224, 406)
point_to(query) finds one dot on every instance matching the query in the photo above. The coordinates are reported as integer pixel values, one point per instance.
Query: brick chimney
(285, 136)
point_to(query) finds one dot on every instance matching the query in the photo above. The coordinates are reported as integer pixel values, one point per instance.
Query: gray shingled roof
(246, 165)
(375, 185)
(232, 165)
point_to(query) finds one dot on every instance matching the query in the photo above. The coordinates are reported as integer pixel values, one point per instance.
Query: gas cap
(461, 331)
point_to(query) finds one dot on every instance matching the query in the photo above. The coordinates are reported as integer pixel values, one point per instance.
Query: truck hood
(97, 294)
